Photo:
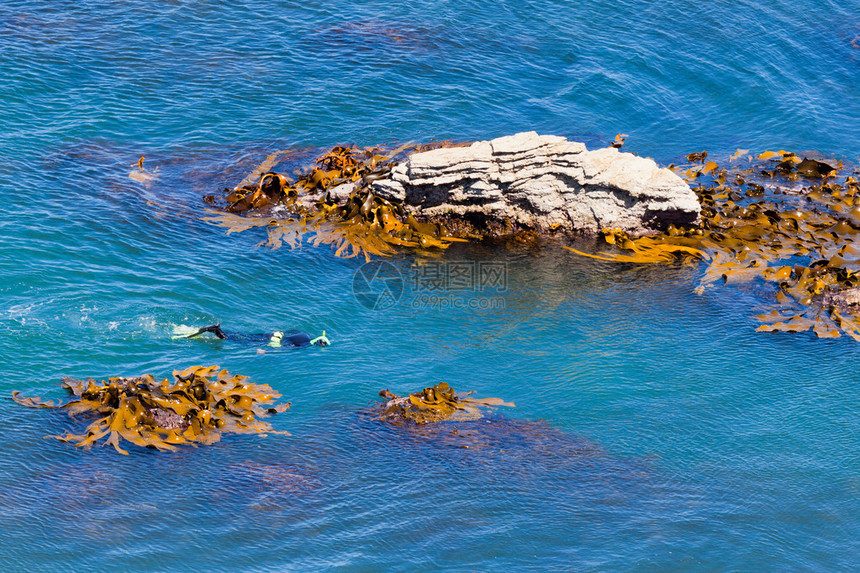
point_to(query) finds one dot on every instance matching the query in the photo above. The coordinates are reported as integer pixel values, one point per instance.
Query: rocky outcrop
(541, 182)
(847, 300)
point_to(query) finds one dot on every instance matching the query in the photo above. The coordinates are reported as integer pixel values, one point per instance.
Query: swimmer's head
(321, 340)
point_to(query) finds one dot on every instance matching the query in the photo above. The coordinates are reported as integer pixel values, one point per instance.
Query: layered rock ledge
(543, 183)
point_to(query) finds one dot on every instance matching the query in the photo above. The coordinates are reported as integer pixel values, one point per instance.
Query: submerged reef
(434, 404)
(197, 408)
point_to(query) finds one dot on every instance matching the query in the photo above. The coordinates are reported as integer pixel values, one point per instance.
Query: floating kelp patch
(197, 408)
(435, 404)
(618, 143)
(783, 219)
(141, 174)
(332, 201)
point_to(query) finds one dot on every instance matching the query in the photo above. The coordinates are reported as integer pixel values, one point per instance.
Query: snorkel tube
(321, 340)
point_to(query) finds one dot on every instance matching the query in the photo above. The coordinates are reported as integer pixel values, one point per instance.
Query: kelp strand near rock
(202, 404)
(435, 404)
(804, 241)
(333, 203)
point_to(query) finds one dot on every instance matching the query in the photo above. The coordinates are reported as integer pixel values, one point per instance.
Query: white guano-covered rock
(542, 182)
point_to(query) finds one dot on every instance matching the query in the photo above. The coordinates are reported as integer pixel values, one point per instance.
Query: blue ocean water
(654, 429)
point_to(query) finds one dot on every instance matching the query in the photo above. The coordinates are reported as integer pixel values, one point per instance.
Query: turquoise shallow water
(654, 429)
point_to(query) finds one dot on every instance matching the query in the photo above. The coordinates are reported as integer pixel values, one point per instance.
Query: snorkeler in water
(274, 339)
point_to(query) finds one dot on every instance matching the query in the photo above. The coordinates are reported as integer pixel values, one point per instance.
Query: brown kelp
(779, 218)
(435, 404)
(141, 174)
(197, 408)
(332, 202)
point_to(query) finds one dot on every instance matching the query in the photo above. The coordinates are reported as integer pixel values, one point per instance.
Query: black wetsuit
(290, 338)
